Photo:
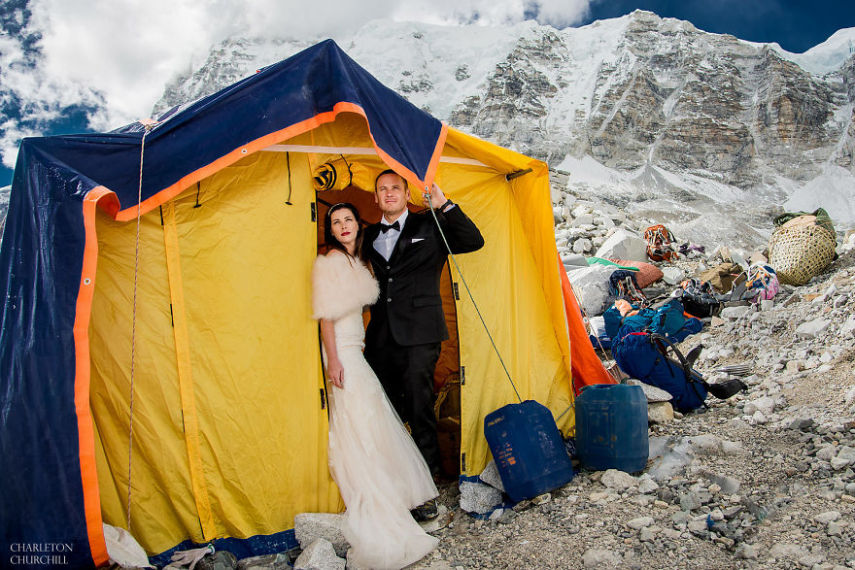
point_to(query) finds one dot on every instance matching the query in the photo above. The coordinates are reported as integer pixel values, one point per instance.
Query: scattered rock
(660, 413)
(646, 535)
(640, 522)
(751, 480)
(672, 275)
(801, 423)
(652, 393)
(765, 405)
(319, 555)
(279, 561)
(844, 458)
(219, 560)
(618, 480)
(479, 498)
(827, 517)
(746, 552)
(599, 558)
(812, 328)
(623, 245)
(308, 527)
(733, 313)
(491, 476)
(788, 551)
(582, 246)
(646, 484)
(834, 529)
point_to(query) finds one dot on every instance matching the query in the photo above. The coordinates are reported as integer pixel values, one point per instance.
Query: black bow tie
(386, 227)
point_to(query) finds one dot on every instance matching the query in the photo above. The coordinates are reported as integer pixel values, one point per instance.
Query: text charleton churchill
(39, 553)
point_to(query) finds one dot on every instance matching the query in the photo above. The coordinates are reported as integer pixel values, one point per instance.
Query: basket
(799, 251)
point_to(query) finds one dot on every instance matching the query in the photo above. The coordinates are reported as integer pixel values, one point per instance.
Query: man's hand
(437, 198)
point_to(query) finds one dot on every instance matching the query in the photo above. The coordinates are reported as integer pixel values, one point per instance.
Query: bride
(375, 463)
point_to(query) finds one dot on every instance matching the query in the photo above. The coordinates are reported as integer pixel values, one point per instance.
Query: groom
(407, 324)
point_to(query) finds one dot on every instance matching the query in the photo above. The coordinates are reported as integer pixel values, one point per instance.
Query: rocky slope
(765, 479)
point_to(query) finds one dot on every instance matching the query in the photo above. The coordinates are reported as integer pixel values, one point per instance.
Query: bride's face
(344, 227)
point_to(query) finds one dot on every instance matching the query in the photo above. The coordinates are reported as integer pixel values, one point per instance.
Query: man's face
(391, 195)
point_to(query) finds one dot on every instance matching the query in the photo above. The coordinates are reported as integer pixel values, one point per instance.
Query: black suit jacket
(410, 303)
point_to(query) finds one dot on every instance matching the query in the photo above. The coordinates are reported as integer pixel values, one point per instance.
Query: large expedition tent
(188, 243)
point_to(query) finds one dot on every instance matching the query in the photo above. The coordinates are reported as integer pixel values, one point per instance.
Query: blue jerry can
(611, 427)
(528, 449)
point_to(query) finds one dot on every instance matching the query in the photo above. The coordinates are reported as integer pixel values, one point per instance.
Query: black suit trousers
(406, 373)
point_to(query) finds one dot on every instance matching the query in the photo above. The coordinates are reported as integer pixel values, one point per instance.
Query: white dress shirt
(386, 241)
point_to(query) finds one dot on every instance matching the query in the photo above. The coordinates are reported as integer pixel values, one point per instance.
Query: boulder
(640, 522)
(623, 245)
(309, 527)
(734, 313)
(280, 561)
(582, 245)
(591, 284)
(574, 260)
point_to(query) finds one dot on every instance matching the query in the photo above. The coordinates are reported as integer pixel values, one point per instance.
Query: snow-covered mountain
(704, 131)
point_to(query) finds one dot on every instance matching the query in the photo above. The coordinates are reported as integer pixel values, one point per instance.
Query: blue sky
(90, 65)
(796, 25)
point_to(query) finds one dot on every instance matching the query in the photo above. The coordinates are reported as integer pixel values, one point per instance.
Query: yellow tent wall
(515, 282)
(230, 436)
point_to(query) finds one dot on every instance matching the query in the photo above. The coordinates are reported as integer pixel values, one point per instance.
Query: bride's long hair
(330, 240)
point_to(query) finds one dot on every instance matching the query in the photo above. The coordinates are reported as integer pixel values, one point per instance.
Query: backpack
(660, 242)
(655, 360)
(698, 298)
(721, 390)
(638, 355)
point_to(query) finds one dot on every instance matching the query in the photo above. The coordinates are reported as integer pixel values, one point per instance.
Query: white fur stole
(341, 286)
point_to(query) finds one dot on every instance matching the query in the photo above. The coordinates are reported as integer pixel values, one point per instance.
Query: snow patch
(832, 190)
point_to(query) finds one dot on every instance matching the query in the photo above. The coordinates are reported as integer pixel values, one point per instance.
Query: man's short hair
(389, 171)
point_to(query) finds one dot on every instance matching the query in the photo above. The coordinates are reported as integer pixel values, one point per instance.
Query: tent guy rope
(427, 197)
(148, 127)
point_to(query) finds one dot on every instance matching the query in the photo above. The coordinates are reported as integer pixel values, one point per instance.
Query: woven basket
(797, 252)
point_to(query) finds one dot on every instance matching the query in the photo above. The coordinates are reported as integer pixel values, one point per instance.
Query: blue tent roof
(42, 255)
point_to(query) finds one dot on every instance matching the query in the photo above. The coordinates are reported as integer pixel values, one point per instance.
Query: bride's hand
(335, 372)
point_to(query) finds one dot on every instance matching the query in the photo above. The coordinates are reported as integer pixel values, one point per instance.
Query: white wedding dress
(375, 463)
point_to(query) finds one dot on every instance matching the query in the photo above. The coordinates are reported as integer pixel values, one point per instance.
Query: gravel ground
(766, 479)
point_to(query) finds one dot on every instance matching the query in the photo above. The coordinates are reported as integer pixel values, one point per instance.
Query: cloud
(558, 13)
(123, 49)
(115, 58)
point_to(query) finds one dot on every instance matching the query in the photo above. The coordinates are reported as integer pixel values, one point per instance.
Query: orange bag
(660, 243)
